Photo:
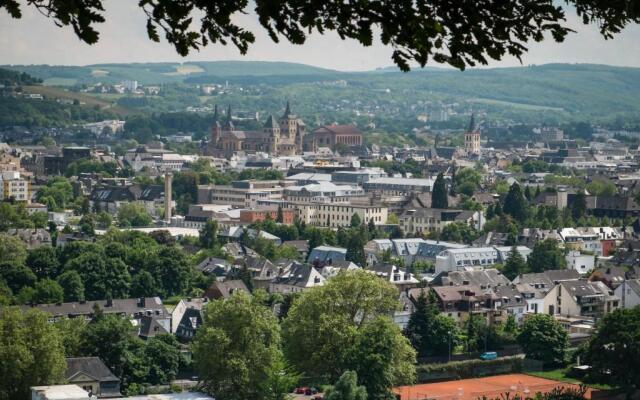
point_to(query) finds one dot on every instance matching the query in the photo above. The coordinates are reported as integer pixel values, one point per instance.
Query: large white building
(398, 186)
(475, 257)
(322, 192)
(424, 220)
(241, 194)
(409, 249)
(335, 215)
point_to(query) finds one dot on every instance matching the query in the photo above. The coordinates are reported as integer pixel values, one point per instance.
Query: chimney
(141, 302)
(167, 197)
(109, 302)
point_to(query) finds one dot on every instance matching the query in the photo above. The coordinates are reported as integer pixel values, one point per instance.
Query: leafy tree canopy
(328, 331)
(543, 338)
(442, 31)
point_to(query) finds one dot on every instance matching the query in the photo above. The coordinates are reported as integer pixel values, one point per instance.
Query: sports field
(472, 389)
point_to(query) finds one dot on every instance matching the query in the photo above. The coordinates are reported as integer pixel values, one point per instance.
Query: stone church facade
(282, 137)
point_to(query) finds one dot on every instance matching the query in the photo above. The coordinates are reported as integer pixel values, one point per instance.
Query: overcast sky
(36, 40)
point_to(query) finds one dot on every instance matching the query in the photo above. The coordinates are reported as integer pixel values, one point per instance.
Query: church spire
(215, 113)
(472, 123)
(287, 111)
(228, 125)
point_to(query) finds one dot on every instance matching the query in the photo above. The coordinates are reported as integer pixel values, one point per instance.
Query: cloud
(36, 40)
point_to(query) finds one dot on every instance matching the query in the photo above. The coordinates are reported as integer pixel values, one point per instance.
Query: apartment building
(425, 220)
(14, 186)
(241, 194)
(475, 257)
(398, 186)
(582, 299)
(409, 249)
(323, 192)
(335, 215)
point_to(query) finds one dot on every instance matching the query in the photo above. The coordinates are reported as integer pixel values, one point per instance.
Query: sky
(34, 39)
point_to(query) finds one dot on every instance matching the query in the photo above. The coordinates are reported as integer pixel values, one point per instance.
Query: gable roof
(150, 327)
(92, 367)
(489, 277)
(301, 275)
(224, 290)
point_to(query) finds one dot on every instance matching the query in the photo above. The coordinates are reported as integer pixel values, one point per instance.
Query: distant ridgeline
(383, 100)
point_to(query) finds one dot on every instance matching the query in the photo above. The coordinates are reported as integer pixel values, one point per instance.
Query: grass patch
(59, 81)
(185, 69)
(562, 375)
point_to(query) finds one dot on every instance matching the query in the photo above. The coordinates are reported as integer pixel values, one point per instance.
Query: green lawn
(561, 375)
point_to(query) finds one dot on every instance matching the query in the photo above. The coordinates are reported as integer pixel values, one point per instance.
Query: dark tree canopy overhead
(456, 32)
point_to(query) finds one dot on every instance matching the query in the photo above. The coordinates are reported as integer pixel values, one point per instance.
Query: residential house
(301, 246)
(263, 271)
(535, 287)
(629, 293)
(401, 278)
(323, 255)
(32, 237)
(298, 278)
(234, 234)
(333, 269)
(582, 299)
(214, 266)
(186, 318)
(512, 301)
(583, 263)
(458, 302)
(485, 278)
(133, 309)
(224, 290)
(92, 375)
(151, 326)
(610, 276)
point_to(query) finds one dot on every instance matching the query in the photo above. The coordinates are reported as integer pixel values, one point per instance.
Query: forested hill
(15, 78)
(552, 93)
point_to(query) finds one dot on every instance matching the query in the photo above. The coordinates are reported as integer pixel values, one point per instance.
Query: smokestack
(167, 197)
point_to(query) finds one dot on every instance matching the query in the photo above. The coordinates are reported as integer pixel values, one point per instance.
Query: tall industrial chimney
(167, 197)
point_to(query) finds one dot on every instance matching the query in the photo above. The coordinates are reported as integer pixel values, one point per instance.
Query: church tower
(472, 138)
(288, 124)
(273, 129)
(216, 128)
(228, 124)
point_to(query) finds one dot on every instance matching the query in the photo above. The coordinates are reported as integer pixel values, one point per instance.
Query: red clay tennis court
(472, 389)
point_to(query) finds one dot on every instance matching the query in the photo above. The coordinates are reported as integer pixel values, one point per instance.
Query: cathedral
(283, 137)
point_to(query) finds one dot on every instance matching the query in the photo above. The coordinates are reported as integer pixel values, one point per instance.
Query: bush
(469, 369)
(175, 388)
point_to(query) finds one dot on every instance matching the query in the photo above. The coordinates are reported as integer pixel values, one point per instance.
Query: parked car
(489, 355)
(301, 390)
(311, 391)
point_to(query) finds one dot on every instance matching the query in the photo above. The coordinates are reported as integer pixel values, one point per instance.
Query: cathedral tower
(472, 138)
(271, 127)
